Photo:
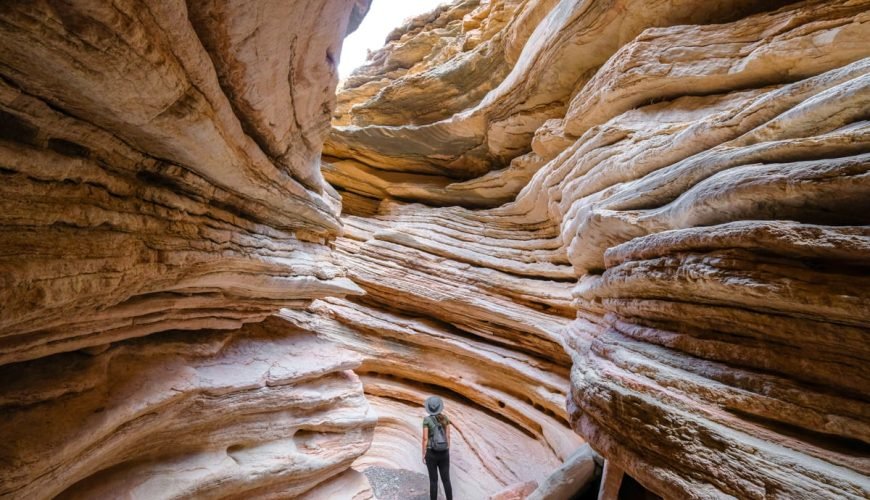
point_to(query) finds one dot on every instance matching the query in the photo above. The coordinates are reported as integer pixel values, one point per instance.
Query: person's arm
(425, 440)
(447, 431)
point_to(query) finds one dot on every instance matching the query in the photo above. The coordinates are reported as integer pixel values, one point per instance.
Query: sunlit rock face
(435, 65)
(678, 200)
(160, 171)
(638, 225)
(536, 60)
(157, 172)
(506, 407)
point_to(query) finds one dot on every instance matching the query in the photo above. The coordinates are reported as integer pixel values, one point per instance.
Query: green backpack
(438, 441)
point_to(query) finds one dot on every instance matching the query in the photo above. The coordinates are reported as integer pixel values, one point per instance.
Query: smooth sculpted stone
(571, 479)
(551, 48)
(349, 485)
(157, 173)
(276, 63)
(486, 454)
(507, 407)
(653, 211)
(516, 492)
(261, 411)
(697, 174)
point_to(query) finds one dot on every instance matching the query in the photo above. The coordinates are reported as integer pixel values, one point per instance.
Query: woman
(436, 447)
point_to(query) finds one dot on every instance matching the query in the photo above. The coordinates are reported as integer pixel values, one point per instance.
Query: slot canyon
(626, 241)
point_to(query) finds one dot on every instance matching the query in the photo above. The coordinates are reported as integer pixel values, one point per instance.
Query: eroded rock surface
(696, 175)
(154, 174)
(260, 411)
(160, 170)
(507, 407)
(655, 212)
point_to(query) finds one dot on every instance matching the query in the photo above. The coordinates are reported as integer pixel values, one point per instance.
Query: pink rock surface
(653, 211)
(701, 185)
(261, 411)
(136, 198)
(516, 492)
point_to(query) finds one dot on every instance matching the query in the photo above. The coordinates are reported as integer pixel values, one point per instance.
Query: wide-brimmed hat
(434, 405)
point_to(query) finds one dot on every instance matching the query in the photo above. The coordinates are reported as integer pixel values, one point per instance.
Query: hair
(441, 419)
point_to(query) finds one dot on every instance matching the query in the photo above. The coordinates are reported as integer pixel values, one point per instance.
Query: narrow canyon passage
(627, 242)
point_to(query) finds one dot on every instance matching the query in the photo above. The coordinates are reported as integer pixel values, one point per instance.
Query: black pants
(439, 460)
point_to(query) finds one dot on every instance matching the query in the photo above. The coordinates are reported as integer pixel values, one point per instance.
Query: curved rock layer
(507, 407)
(160, 171)
(552, 48)
(680, 195)
(260, 411)
(157, 173)
(655, 211)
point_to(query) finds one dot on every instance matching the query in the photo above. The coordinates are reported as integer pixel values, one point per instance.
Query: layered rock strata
(507, 407)
(154, 174)
(551, 47)
(698, 180)
(259, 411)
(160, 165)
(676, 223)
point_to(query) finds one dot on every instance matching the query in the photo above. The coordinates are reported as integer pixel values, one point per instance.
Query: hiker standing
(436, 447)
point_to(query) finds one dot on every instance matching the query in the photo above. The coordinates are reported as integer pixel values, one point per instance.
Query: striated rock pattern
(160, 171)
(220, 414)
(553, 47)
(678, 200)
(435, 65)
(349, 485)
(149, 183)
(507, 407)
(638, 225)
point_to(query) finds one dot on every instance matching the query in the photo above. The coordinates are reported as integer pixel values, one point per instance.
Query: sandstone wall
(507, 407)
(641, 225)
(143, 190)
(259, 411)
(679, 196)
(160, 171)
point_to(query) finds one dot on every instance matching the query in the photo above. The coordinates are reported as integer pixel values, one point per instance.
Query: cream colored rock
(134, 199)
(424, 352)
(396, 86)
(279, 71)
(753, 52)
(558, 46)
(571, 479)
(516, 492)
(349, 485)
(677, 198)
(703, 188)
(507, 407)
(485, 453)
(262, 411)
